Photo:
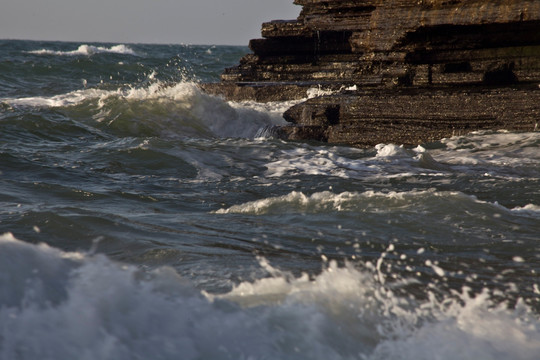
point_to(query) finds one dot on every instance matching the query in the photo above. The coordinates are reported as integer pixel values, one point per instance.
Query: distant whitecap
(88, 50)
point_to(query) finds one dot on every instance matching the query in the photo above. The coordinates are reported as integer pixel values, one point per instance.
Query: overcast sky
(228, 22)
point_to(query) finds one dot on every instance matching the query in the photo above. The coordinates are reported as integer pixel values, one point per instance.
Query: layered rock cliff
(404, 71)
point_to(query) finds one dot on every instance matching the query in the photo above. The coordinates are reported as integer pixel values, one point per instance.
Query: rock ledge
(422, 69)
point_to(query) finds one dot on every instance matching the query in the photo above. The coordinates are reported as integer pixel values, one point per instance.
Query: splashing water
(109, 310)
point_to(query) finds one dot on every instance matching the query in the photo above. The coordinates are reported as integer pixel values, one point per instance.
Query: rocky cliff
(403, 71)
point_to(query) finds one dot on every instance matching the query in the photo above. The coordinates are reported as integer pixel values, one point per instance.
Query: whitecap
(180, 109)
(529, 209)
(211, 114)
(71, 98)
(88, 50)
(327, 201)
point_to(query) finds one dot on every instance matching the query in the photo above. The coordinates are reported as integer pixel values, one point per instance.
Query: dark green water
(146, 219)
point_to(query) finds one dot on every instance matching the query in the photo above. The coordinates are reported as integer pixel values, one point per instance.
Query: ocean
(141, 218)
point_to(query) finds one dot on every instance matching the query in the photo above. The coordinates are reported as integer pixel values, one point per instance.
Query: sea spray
(108, 310)
(159, 109)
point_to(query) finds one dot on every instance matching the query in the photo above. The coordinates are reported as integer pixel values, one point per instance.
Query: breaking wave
(57, 305)
(88, 50)
(428, 201)
(160, 109)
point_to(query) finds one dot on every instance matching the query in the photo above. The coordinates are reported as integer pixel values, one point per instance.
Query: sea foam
(167, 110)
(88, 50)
(371, 201)
(389, 159)
(57, 305)
(500, 148)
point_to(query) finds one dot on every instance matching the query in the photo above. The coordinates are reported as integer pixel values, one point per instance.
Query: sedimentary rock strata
(423, 69)
(412, 116)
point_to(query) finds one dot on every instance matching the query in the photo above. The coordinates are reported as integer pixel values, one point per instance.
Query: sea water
(143, 219)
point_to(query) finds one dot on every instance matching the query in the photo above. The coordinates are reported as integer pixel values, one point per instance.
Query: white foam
(313, 161)
(501, 148)
(430, 201)
(88, 50)
(274, 109)
(319, 91)
(179, 109)
(327, 201)
(65, 306)
(529, 209)
(322, 91)
(390, 150)
(63, 100)
(475, 330)
(390, 161)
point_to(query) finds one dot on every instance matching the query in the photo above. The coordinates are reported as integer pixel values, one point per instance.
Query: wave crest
(160, 109)
(88, 50)
(429, 201)
(68, 304)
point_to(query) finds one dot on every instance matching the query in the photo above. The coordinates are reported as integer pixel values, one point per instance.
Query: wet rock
(413, 116)
(423, 69)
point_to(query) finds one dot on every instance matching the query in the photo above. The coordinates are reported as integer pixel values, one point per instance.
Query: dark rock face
(422, 69)
(413, 116)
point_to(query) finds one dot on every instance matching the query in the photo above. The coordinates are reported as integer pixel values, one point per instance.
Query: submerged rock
(421, 70)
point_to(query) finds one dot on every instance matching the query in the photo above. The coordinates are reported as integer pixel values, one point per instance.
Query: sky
(212, 22)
